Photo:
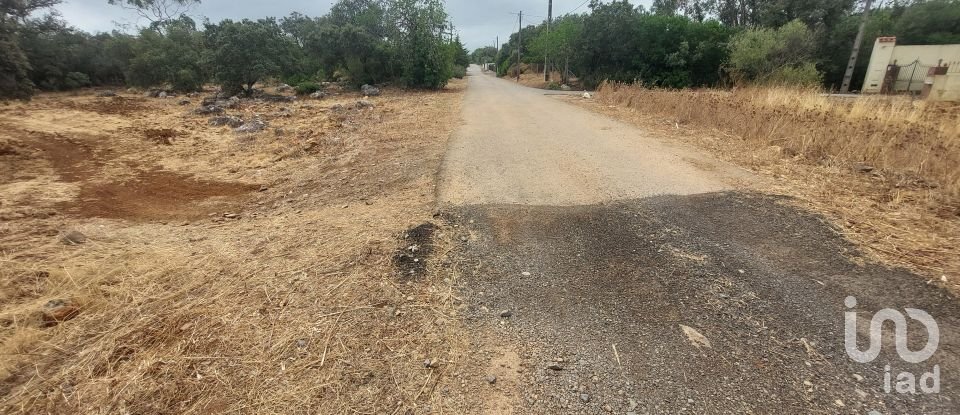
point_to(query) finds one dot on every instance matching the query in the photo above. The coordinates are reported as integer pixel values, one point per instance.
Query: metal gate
(910, 77)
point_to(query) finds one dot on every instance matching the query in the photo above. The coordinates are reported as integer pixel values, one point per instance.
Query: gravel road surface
(614, 273)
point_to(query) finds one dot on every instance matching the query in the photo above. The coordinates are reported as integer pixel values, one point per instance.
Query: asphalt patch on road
(714, 303)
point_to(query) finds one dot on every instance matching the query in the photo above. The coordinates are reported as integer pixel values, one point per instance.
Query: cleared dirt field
(151, 262)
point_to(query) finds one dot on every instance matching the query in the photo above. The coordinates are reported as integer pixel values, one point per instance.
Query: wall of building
(886, 52)
(882, 56)
(946, 87)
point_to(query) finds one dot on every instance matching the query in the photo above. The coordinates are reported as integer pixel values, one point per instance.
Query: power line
(578, 7)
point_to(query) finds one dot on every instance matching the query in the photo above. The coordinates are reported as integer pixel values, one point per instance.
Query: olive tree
(239, 54)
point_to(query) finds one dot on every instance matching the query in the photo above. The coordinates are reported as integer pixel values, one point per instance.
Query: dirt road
(607, 272)
(519, 146)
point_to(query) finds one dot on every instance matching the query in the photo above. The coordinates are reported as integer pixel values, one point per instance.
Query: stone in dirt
(73, 238)
(364, 104)
(284, 88)
(230, 120)
(184, 102)
(156, 93)
(491, 379)
(284, 112)
(232, 102)
(555, 366)
(57, 311)
(210, 109)
(318, 95)
(251, 127)
(565, 87)
(695, 337)
(506, 314)
(276, 98)
(370, 90)
(107, 94)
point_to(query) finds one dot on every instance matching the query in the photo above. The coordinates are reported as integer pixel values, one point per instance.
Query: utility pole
(496, 65)
(848, 76)
(519, 45)
(546, 53)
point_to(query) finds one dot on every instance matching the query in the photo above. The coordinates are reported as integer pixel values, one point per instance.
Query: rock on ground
(251, 127)
(55, 312)
(370, 90)
(210, 109)
(73, 238)
(229, 120)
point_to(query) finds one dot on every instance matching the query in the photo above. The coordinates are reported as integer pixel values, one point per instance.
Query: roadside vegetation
(723, 43)
(400, 42)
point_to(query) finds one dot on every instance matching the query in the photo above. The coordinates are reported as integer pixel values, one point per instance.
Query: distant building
(930, 71)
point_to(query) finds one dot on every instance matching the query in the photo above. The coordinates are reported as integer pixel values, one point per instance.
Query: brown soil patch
(156, 195)
(111, 106)
(71, 159)
(163, 136)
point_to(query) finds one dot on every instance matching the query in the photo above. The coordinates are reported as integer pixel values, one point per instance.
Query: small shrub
(307, 88)
(75, 80)
(805, 75)
(459, 72)
(297, 79)
(553, 86)
(186, 80)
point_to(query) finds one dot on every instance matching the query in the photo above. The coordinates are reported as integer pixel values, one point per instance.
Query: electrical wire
(578, 7)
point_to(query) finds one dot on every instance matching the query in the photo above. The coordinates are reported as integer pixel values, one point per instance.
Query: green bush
(459, 72)
(553, 86)
(186, 80)
(75, 80)
(805, 75)
(307, 87)
(774, 56)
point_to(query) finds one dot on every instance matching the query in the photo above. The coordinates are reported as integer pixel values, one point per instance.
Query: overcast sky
(479, 22)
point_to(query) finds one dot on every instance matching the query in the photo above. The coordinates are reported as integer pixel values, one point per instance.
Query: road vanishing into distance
(633, 275)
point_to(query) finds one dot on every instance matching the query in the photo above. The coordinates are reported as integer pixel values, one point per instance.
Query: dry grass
(294, 307)
(883, 169)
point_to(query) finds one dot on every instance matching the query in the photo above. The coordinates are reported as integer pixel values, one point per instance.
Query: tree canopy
(690, 43)
(359, 41)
